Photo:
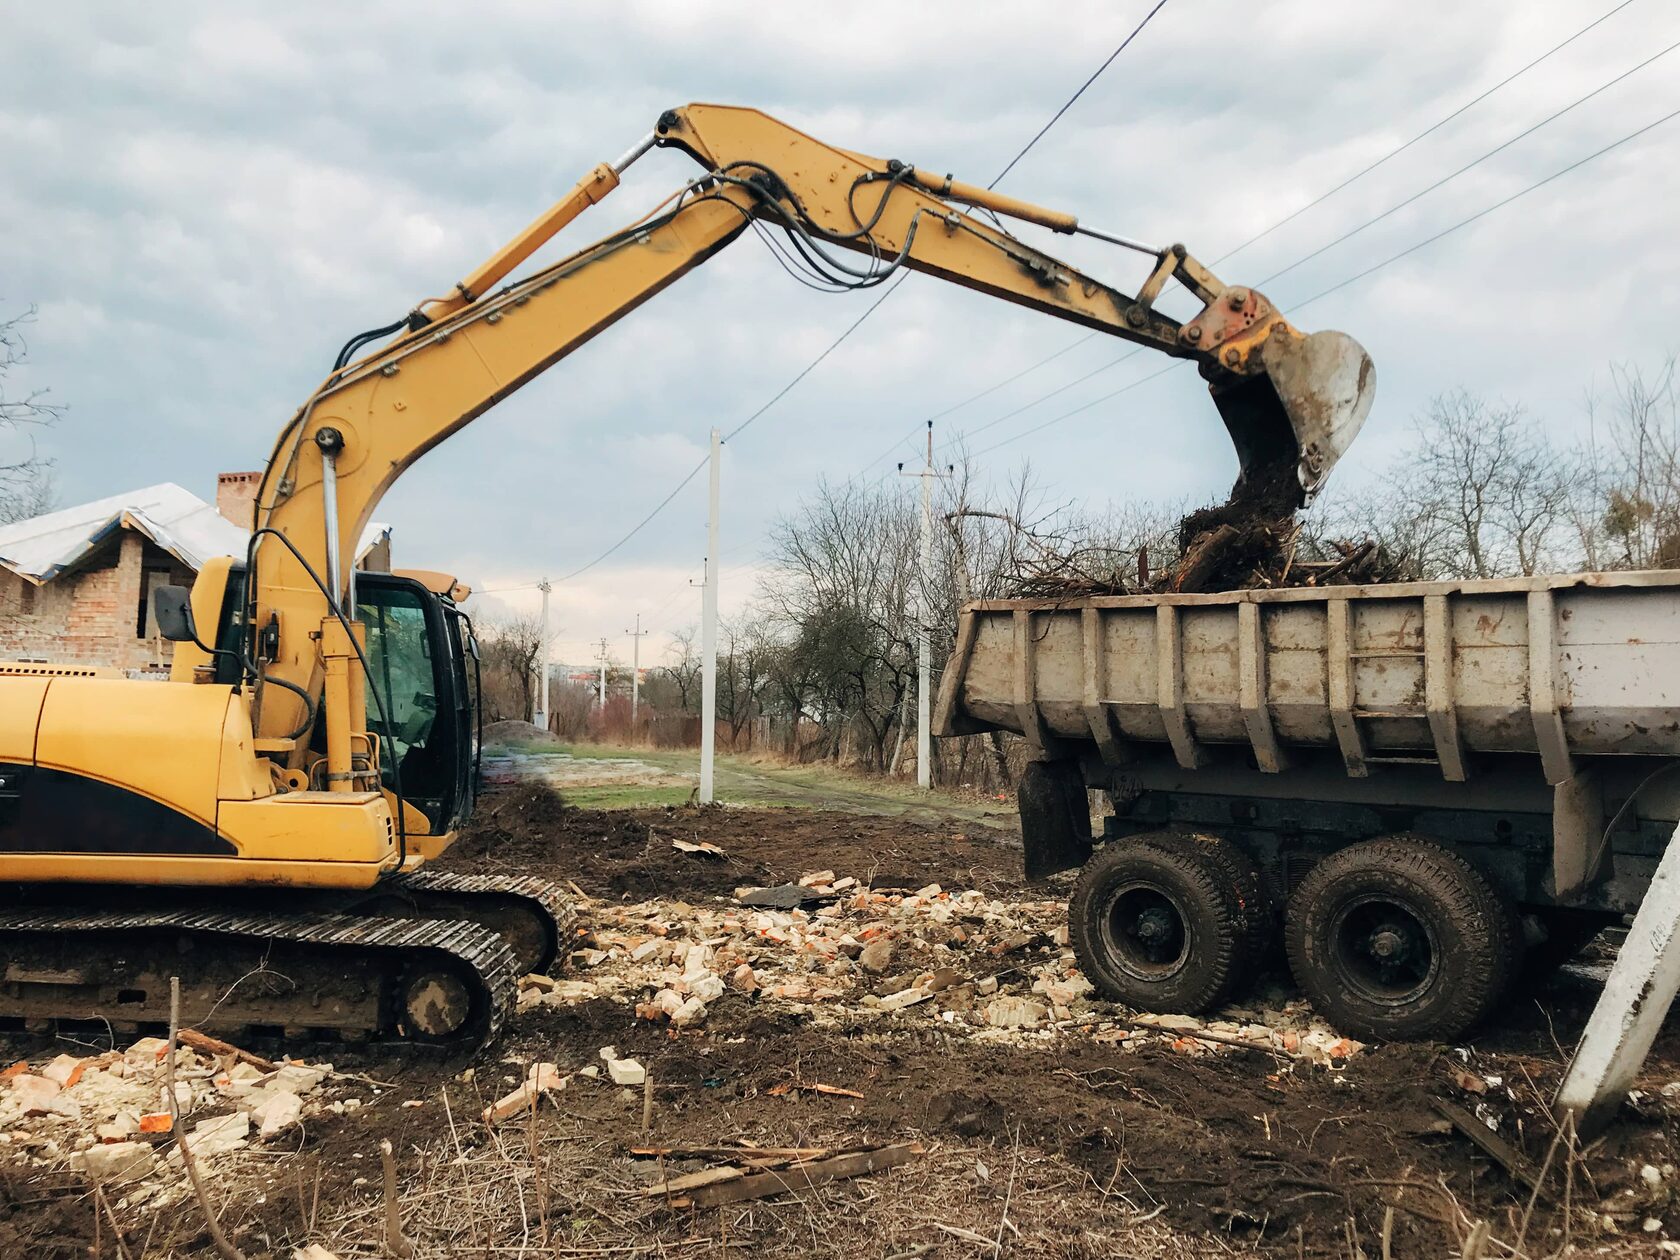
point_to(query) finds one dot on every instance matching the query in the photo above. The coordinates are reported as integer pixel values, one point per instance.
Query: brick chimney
(236, 497)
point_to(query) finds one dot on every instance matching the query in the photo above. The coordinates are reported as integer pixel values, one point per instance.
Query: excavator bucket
(1291, 423)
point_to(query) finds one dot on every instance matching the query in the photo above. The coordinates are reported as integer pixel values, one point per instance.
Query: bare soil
(528, 829)
(1087, 1148)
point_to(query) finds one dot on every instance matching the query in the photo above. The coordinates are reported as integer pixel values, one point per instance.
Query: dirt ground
(1058, 1145)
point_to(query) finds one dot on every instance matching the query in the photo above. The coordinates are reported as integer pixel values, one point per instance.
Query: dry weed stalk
(223, 1244)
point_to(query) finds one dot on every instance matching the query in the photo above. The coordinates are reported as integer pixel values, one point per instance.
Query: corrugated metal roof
(46, 547)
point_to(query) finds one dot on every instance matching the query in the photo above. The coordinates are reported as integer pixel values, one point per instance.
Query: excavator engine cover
(1291, 423)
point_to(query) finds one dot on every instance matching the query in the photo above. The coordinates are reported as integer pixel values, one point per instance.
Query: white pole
(539, 709)
(635, 667)
(601, 700)
(709, 633)
(924, 645)
(924, 613)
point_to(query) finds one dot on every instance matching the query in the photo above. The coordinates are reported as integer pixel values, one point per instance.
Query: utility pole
(924, 608)
(635, 667)
(601, 700)
(709, 632)
(539, 710)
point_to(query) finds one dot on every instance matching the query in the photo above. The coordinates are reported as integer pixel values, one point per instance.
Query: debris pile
(107, 1116)
(846, 955)
(1252, 540)
(1255, 554)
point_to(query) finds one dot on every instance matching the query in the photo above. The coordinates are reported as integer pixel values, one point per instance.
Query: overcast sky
(205, 201)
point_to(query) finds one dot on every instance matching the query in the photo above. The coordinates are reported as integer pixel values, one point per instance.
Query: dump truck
(1424, 788)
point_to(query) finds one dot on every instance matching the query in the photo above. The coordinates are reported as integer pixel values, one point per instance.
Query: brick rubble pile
(984, 968)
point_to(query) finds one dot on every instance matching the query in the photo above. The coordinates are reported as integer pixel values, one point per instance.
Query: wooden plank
(1502, 1152)
(1101, 719)
(748, 1154)
(693, 1181)
(1549, 737)
(212, 1045)
(802, 1176)
(1438, 688)
(1339, 686)
(1169, 698)
(1251, 690)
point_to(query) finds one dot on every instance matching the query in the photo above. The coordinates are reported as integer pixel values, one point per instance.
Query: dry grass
(550, 1186)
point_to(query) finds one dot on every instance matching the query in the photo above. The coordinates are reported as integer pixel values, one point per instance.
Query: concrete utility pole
(601, 700)
(709, 633)
(1637, 996)
(924, 607)
(636, 667)
(539, 709)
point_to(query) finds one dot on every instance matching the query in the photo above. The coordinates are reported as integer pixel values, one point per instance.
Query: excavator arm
(1291, 402)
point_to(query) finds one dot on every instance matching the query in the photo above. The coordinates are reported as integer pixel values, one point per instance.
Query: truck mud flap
(1055, 818)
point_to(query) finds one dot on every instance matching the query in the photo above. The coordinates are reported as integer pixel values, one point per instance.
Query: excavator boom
(1291, 402)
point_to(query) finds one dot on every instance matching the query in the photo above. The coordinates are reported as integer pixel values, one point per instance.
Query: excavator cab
(422, 700)
(417, 665)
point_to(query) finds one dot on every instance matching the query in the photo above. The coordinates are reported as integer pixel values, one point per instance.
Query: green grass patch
(643, 796)
(624, 796)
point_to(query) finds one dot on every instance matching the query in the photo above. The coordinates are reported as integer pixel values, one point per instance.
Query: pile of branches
(1250, 542)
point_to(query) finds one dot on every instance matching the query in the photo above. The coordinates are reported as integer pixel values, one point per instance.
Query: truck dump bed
(1579, 665)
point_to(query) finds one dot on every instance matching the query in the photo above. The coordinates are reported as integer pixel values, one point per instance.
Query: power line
(1398, 150)
(1465, 222)
(1057, 116)
(640, 525)
(875, 305)
(1360, 275)
(1447, 179)
(1085, 406)
(1322, 197)
(809, 367)
(1119, 359)
(870, 310)
(1010, 380)
(973, 398)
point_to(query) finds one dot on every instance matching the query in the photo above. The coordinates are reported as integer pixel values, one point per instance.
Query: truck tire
(1237, 869)
(1158, 926)
(1399, 938)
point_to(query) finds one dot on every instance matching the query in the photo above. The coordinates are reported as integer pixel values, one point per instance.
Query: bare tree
(1481, 493)
(1497, 490)
(842, 571)
(682, 668)
(1626, 507)
(26, 478)
(742, 674)
(509, 647)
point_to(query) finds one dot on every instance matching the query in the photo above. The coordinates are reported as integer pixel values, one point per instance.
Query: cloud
(205, 203)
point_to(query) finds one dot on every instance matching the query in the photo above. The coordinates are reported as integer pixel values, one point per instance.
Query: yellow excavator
(260, 827)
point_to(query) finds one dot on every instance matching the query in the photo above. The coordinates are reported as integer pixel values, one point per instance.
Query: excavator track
(311, 976)
(534, 916)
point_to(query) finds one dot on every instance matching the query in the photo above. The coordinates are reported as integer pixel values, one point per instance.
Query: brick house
(76, 584)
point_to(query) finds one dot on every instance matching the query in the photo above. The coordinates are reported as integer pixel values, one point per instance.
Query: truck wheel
(1237, 869)
(1157, 926)
(1400, 938)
